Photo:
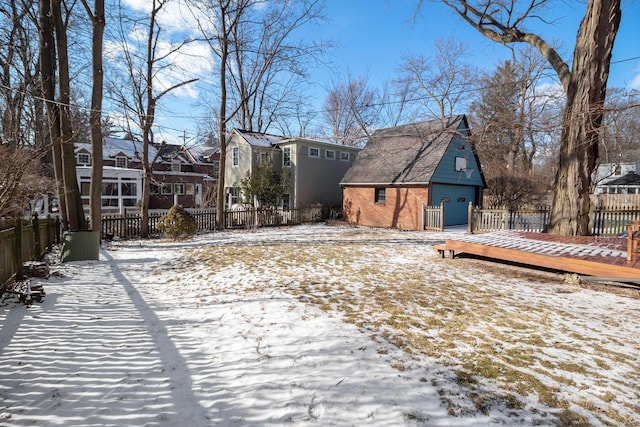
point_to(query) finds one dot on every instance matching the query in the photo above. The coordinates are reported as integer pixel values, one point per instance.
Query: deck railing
(604, 222)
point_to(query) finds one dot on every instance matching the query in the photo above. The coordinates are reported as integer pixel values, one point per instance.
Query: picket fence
(124, 226)
(603, 221)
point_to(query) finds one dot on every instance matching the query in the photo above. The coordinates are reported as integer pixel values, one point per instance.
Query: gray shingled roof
(629, 179)
(257, 139)
(407, 154)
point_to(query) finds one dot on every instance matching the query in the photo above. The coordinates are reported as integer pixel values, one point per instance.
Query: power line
(466, 89)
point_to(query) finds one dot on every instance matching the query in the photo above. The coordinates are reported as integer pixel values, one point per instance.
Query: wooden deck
(604, 257)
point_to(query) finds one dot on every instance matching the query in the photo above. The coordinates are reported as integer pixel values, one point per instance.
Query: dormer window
(121, 161)
(175, 166)
(83, 159)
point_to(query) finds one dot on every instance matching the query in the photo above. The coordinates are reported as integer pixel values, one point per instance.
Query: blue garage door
(456, 200)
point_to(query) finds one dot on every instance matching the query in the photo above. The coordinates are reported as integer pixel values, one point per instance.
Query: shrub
(178, 223)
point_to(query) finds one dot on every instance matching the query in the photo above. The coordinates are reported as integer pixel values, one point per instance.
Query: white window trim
(121, 158)
(178, 188)
(344, 156)
(88, 157)
(326, 154)
(314, 155)
(286, 150)
(235, 156)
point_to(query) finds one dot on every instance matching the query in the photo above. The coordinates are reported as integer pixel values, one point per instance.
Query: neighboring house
(607, 172)
(315, 167)
(626, 184)
(180, 176)
(405, 168)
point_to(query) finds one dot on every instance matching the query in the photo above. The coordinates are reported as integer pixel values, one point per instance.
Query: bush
(178, 223)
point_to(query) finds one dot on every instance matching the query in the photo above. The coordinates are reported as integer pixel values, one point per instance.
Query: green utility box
(80, 246)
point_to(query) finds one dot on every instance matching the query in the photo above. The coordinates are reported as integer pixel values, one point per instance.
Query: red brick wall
(402, 208)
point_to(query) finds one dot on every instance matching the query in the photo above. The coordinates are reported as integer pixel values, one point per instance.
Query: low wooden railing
(433, 217)
(604, 222)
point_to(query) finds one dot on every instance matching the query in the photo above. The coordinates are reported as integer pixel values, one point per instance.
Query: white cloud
(174, 17)
(191, 61)
(635, 83)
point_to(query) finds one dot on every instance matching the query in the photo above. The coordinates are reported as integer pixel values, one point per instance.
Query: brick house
(404, 168)
(180, 175)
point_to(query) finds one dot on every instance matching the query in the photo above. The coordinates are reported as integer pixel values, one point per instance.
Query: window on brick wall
(380, 195)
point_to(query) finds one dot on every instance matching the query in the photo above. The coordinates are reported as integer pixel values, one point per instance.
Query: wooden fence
(604, 222)
(37, 236)
(22, 241)
(433, 218)
(129, 225)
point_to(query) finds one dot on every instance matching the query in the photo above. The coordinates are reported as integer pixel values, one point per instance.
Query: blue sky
(372, 36)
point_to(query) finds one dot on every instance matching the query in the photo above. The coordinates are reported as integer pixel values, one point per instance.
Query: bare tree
(395, 104)
(620, 140)
(269, 64)
(18, 74)
(22, 124)
(584, 84)
(54, 55)
(439, 84)
(253, 42)
(351, 110)
(95, 119)
(622, 125)
(512, 116)
(141, 97)
(21, 178)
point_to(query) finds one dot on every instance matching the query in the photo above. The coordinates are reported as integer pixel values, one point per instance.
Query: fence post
(18, 249)
(50, 223)
(506, 224)
(36, 236)
(57, 231)
(470, 218)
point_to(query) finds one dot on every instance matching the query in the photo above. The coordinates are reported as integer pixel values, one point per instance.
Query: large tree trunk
(75, 210)
(585, 87)
(95, 120)
(224, 53)
(583, 118)
(48, 73)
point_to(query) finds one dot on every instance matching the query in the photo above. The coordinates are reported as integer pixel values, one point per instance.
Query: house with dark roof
(405, 168)
(315, 167)
(181, 175)
(625, 184)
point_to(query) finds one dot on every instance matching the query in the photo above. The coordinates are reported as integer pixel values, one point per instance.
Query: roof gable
(408, 154)
(256, 139)
(113, 147)
(630, 178)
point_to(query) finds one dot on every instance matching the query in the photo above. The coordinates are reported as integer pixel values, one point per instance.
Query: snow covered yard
(315, 325)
